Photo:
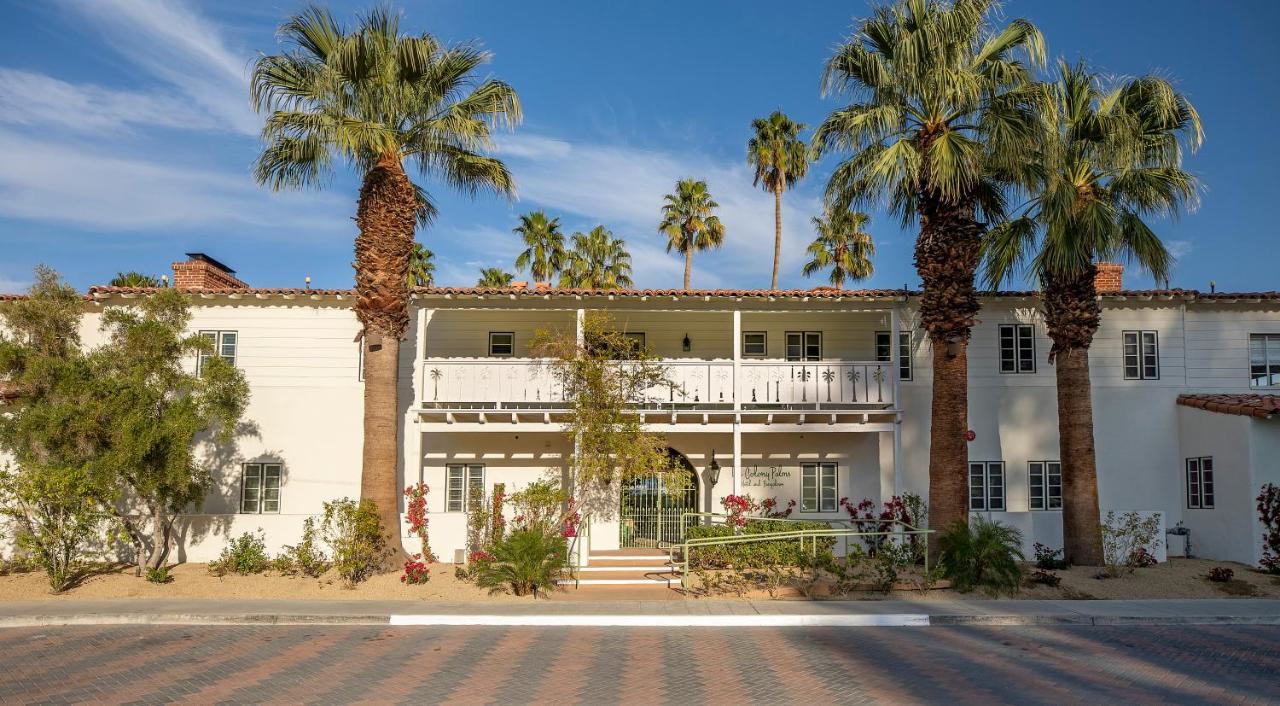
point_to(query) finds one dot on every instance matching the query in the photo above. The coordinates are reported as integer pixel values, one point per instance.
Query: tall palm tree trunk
(777, 233)
(1072, 315)
(386, 221)
(688, 265)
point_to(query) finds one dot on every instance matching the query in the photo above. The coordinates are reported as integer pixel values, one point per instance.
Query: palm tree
(134, 279)
(422, 267)
(598, 261)
(1111, 159)
(688, 223)
(544, 254)
(842, 246)
(373, 97)
(494, 277)
(780, 159)
(942, 117)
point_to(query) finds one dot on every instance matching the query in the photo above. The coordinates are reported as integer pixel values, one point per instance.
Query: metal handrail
(714, 515)
(813, 535)
(574, 554)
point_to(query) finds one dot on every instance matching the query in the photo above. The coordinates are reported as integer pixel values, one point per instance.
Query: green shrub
(159, 575)
(982, 555)
(244, 555)
(358, 540)
(1122, 538)
(305, 558)
(755, 555)
(56, 524)
(526, 561)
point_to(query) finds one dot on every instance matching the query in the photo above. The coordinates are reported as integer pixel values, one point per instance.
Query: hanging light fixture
(687, 344)
(713, 469)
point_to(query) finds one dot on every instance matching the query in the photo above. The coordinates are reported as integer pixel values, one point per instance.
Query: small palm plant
(527, 561)
(598, 261)
(494, 277)
(544, 254)
(841, 246)
(983, 555)
(134, 279)
(422, 267)
(689, 223)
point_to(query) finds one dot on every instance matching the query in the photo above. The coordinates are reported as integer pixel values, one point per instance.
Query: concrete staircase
(649, 570)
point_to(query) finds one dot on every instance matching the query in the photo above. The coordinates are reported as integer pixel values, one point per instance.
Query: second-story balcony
(529, 384)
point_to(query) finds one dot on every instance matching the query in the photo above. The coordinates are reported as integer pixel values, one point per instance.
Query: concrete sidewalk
(689, 613)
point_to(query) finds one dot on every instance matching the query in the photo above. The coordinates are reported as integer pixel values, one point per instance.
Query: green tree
(422, 267)
(689, 223)
(942, 117)
(1111, 160)
(780, 159)
(841, 246)
(494, 277)
(373, 97)
(150, 411)
(544, 254)
(597, 261)
(134, 279)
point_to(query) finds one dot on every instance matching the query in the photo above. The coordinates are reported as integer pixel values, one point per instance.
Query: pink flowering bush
(415, 568)
(416, 571)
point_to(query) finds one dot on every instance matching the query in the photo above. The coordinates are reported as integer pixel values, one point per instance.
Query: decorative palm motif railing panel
(518, 382)
(694, 382)
(819, 383)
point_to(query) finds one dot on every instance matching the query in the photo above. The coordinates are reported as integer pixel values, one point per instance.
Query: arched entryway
(652, 512)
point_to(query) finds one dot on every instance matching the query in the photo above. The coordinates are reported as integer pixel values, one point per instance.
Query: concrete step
(655, 582)
(628, 552)
(611, 561)
(625, 567)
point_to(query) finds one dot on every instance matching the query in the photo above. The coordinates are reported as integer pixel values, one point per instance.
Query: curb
(627, 620)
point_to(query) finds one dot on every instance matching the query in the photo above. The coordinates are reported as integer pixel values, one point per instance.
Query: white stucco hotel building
(805, 395)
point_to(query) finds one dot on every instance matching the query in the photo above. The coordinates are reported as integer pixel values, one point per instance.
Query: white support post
(580, 321)
(737, 359)
(737, 456)
(420, 360)
(894, 348)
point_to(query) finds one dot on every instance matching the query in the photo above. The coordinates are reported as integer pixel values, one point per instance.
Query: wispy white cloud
(1179, 248)
(34, 99)
(13, 285)
(179, 46)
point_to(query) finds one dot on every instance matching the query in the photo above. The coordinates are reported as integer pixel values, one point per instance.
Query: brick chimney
(1110, 278)
(203, 272)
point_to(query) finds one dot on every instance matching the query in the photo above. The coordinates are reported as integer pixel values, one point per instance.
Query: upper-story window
(804, 345)
(755, 344)
(1200, 483)
(502, 344)
(1017, 348)
(224, 346)
(1141, 355)
(986, 485)
(1264, 360)
(884, 353)
(1044, 481)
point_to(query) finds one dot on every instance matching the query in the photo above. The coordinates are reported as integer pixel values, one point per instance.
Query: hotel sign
(770, 477)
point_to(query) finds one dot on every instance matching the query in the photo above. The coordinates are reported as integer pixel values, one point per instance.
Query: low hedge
(753, 555)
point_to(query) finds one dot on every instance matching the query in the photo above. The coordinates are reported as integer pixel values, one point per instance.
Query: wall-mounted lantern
(713, 469)
(686, 344)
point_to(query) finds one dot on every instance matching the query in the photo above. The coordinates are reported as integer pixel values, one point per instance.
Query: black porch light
(687, 345)
(713, 469)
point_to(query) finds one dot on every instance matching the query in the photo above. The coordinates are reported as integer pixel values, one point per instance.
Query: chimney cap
(205, 258)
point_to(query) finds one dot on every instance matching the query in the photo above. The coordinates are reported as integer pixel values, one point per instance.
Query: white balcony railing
(523, 383)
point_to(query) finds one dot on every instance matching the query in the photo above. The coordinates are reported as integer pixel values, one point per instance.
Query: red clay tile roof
(1261, 406)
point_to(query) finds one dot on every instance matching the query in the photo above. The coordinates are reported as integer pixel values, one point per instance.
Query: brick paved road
(1050, 665)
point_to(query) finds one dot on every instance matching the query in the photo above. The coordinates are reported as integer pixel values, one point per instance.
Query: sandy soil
(195, 581)
(1176, 578)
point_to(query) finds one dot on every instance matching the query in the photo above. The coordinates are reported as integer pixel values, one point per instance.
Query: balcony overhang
(479, 417)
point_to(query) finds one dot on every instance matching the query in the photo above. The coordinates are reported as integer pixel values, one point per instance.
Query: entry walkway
(689, 613)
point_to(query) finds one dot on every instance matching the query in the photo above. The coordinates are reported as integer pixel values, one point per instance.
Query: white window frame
(1041, 483)
(219, 339)
(510, 344)
(885, 355)
(1200, 485)
(360, 360)
(1267, 357)
(987, 486)
(819, 486)
(808, 342)
(1140, 351)
(464, 487)
(256, 488)
(1023, 341)
(763, 343)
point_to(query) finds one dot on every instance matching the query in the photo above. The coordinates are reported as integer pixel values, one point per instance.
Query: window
(1046, 485)
(754, 344)
(884, 354)
(1264, 360)
(502, 344)
(818, 487)
(259, 488)
(804, 345)
(1141, 355)
(464, 487)
(1017, 348)
(986, 485)
(224, 346)
(1200, 483)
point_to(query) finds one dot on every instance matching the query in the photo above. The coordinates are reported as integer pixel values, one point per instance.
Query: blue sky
(126, 135)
